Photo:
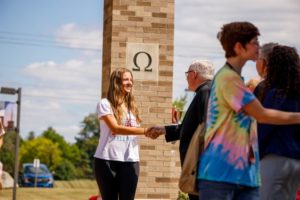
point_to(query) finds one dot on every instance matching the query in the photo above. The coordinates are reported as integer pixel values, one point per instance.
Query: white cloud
(72, 72)
(64, 92)
(72, 87)
(80, 37)
(48, 112)
(197, 23)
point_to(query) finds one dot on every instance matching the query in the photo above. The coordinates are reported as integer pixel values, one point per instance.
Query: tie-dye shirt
(231, 152)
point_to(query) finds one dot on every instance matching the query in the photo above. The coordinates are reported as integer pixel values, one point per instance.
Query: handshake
(155, 131)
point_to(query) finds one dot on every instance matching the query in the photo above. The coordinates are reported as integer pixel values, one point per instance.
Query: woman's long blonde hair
(116, 97)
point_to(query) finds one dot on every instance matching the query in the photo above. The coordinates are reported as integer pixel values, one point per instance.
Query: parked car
(44, 178)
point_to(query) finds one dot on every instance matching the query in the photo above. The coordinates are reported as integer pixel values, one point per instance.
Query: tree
(31, 135)
(178, 106)
(80, 160)
(68, 161)
(75, 163)
(87, 140)
(180, 102)
(65, 170)
(42, 148)
(7, 152)
(90, 128)
(56, 138)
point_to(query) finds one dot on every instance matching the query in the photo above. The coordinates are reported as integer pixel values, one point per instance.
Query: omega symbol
(147, 68)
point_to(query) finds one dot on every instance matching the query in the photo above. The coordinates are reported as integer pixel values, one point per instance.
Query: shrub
(182, 196)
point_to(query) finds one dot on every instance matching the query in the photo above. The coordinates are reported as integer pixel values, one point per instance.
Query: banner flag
(7, 117)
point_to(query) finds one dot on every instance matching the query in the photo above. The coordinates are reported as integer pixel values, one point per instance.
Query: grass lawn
(63, 190)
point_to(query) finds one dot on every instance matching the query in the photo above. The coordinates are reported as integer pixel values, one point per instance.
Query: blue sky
(52, 49)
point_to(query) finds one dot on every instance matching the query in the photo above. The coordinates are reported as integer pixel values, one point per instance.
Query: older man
(198, 76)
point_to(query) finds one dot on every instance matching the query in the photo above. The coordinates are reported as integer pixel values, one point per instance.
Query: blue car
(44, 177)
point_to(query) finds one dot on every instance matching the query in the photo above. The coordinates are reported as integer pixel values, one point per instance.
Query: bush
(65, 170)
(182, 196)
(7, 152)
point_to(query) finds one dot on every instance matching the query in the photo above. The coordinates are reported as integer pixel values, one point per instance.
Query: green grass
(63, 190)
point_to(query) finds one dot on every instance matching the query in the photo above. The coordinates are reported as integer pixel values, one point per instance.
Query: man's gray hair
(266, 49)
(204, 67)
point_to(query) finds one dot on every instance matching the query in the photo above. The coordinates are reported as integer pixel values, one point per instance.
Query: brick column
(139, 35)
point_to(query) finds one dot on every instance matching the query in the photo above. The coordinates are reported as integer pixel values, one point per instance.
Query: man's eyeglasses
(255, 42)
(187, 72)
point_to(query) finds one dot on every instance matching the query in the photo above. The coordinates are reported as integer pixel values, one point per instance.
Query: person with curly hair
(117, 154)
(279, 145)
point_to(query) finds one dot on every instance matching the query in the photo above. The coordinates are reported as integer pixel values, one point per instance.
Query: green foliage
(65, 170)
(71, 162)
(31, 135)
(90, 128)
(7, 152)
(87, 141)
(65, 148)
(68, 161)
(182, 196)
(42, 148)
(80, 160)
(52, 135)
(180, 102)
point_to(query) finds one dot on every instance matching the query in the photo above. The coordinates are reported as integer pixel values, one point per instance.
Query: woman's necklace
(127, 111)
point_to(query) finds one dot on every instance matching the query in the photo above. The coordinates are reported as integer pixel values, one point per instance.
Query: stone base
(6, 180)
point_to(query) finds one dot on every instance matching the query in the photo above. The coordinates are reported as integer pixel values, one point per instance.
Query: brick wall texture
(146, 21)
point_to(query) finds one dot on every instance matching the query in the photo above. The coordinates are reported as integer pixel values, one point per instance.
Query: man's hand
(155, 131)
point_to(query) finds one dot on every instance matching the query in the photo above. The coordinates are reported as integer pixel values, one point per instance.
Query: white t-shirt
(116, 147)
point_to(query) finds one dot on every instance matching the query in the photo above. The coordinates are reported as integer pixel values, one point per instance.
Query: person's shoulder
(103, 103)
(208, 84)
(226, 76)
(259, 87)
(253, 83)
(205, 87)
(225, 72)
(103, 107)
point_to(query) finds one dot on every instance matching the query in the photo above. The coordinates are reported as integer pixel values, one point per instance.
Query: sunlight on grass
(63, 190)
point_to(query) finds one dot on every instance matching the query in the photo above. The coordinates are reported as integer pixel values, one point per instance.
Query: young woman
(117, 154)
(279, 146)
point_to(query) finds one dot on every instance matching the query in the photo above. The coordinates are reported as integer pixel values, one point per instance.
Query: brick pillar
(139, 35)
